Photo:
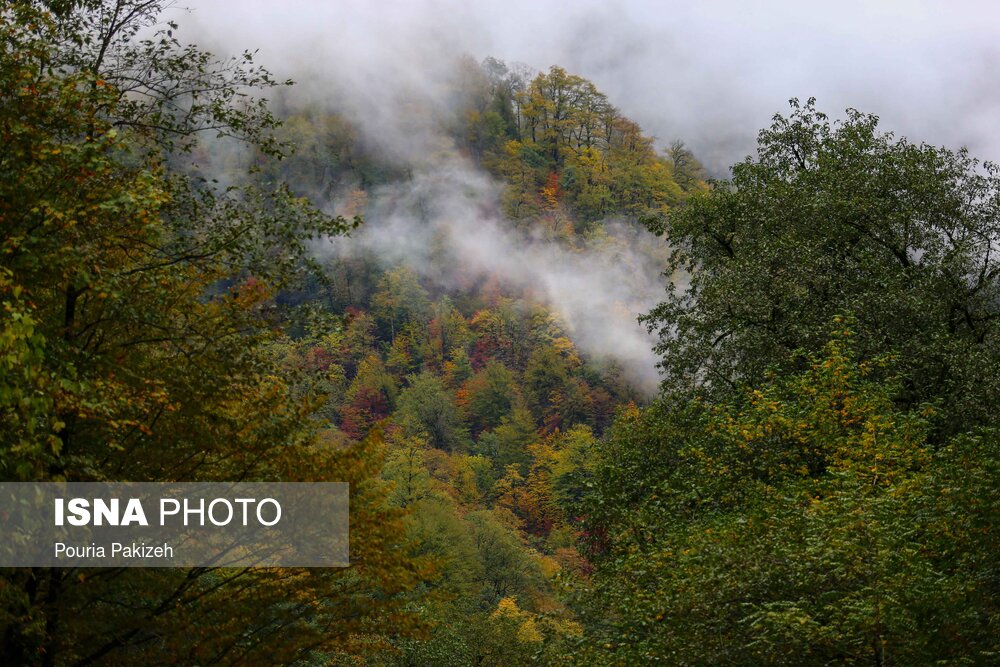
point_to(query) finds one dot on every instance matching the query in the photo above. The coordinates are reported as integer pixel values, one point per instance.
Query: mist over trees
(818, 481)
(196, 284)
(137, 343)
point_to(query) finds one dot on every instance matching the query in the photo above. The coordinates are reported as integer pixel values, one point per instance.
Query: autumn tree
(137, 340)
(507, 444)
(567, 143)
(828, 414)
(811, 521)
(400, 300)
(370, 397)
(447, 332)
(688, 172)
(489, 395)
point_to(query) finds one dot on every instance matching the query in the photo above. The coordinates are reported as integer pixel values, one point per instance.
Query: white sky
(709, 72)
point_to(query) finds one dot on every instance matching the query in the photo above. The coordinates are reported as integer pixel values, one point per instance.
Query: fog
(445, 224)
(709, 73)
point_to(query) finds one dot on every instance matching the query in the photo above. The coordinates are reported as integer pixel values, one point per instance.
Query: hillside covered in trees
(798, 465)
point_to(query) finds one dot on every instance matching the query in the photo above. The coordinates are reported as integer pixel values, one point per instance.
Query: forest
(594, 406)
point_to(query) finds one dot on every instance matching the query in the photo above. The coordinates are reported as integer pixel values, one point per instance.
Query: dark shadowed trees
(136, 341)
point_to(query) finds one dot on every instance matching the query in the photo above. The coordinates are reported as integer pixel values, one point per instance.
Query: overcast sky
(711, 73)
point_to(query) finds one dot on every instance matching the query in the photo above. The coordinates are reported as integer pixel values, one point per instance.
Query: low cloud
(711, 73)
(445, 224)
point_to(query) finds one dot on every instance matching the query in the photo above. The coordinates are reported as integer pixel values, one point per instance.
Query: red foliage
(369, 406)
(317, 359)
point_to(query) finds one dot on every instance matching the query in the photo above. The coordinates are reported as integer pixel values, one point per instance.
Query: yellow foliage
(527, 627)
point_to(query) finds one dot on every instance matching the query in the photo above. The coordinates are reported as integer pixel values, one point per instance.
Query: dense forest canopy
(814, 482)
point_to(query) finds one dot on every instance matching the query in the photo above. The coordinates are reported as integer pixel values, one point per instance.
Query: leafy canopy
(833, 218)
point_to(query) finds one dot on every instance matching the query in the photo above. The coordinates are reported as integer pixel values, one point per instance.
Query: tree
(546, 376)
(687, 170)
(563, 147)
(810, 522)
(507, 568)
(446, 332)
(370, 397)
(507, 444)
(788, 498)
(400, 300)
(406, 467)
(426, 408)
(835, 218)
(489, 396)
(137, 341)
(501, 333)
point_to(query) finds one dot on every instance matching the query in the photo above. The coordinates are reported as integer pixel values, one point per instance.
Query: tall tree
(427, 409)
(136, 340)
(809, 522)
(833, 218)
(790, 497)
